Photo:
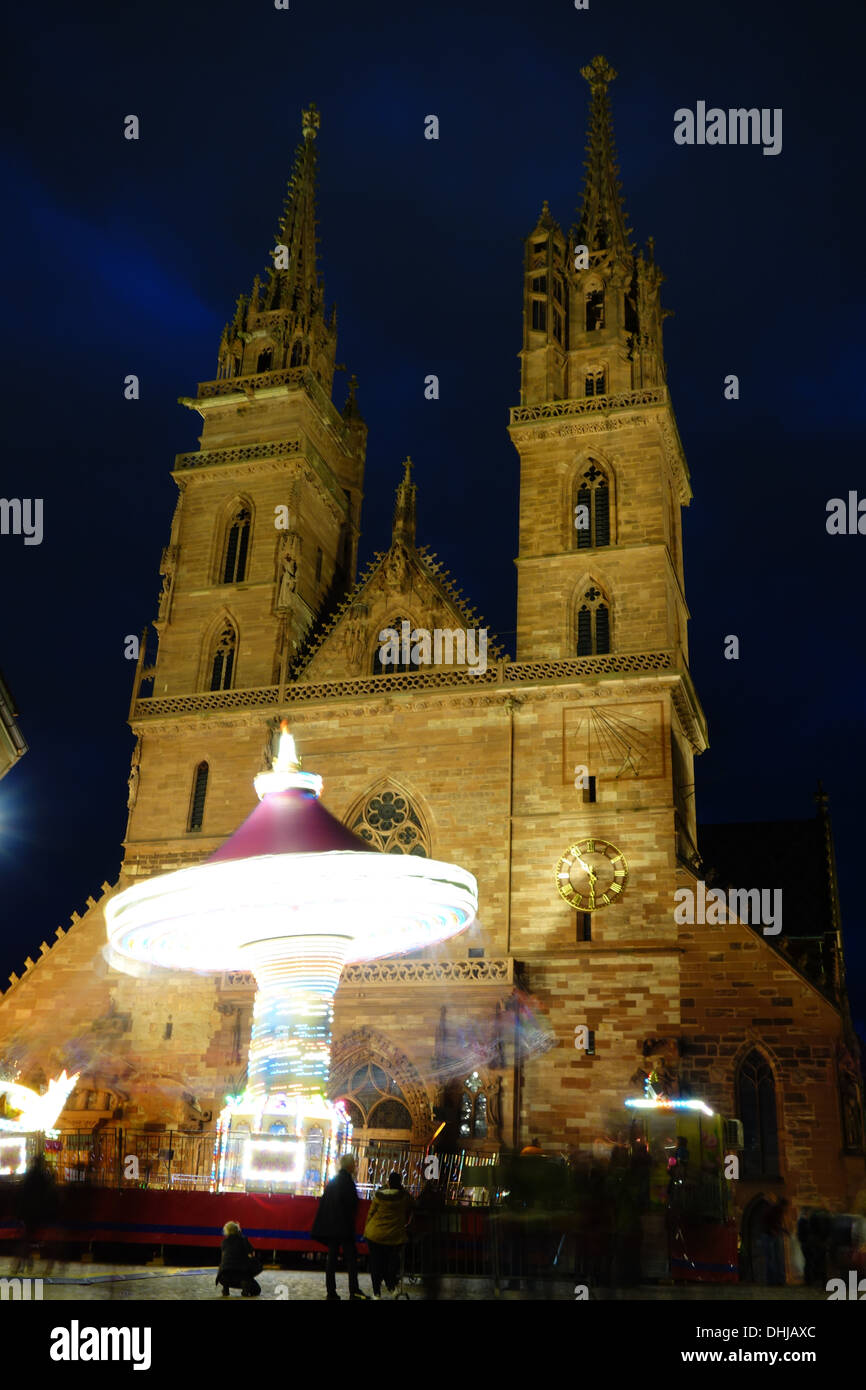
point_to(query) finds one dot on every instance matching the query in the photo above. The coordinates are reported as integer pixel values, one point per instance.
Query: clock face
(591, 875)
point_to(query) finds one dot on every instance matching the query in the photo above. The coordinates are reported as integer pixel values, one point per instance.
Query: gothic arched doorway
(387, 1103)
(762, 1253)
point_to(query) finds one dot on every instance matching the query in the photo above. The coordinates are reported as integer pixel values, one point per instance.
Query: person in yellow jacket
(385, 1233)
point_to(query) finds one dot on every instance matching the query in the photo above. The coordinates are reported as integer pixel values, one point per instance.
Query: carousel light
(37, 1113)
(658, 1103)
(13, 1157)
(205, 917)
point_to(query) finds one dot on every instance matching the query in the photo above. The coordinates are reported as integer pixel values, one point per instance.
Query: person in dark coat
(428, 1225)
(239, 1263)
(334, 1226)
(36, 1206)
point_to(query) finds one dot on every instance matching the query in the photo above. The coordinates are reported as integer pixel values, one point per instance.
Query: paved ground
(135, 1283)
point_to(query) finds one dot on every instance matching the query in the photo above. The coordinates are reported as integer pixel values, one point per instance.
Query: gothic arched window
(390, 823)
(223, 663)
(297, 354)
(390, 668)
(199, 792)
(264, 362)
(234, 565)
(473, 1109)
(593, 623)
(756, 1104)
(375, 1101)
(591, 508)
(594, 382)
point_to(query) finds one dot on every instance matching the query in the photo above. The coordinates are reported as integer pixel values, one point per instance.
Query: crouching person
(239, 1263)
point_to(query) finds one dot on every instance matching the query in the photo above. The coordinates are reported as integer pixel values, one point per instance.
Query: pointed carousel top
(286, 773)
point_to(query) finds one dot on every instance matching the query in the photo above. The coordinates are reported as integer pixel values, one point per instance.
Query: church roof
(797, 858)
(790, 855)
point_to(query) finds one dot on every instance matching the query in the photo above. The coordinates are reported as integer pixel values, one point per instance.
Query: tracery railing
(588, 405)
(502, 673)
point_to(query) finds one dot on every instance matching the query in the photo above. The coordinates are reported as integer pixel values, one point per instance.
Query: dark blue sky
(127, 257)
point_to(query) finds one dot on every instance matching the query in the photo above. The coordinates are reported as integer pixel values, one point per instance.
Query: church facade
(563, 778)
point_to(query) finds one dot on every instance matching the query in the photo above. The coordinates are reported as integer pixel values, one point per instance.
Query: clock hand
(593, 878)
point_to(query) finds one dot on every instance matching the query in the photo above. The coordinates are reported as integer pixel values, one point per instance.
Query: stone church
(562, 778)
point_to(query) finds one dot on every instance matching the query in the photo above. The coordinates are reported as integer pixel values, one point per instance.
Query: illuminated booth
(291, 897)
(688, 1226)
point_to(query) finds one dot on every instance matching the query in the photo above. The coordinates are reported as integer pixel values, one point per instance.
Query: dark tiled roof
(790, 855)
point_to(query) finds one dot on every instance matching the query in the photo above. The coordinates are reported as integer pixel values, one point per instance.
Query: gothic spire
(293, 281)
(351, 410)
(602, 222)
(403, 529)
(283, 325)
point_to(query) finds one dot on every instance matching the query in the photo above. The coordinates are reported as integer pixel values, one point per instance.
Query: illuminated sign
(13, 1157)
(274, 1160)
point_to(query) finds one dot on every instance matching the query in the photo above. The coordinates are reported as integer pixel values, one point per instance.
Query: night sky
(127, 257)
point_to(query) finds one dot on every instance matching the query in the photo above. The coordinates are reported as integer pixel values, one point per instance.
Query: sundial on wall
(619, 743)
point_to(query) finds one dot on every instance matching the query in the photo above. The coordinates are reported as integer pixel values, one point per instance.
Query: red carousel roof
(289, 822)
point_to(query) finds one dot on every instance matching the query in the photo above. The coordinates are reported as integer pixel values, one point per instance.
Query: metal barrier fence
(487, 1215)
(499, 1245)
(177, 1161)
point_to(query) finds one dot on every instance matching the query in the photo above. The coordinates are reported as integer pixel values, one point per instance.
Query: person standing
(428, 1227)
(334, 1226)
(776, 1230)
(385, 1233)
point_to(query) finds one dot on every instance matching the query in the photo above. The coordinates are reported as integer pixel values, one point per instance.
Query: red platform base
(135, 1217)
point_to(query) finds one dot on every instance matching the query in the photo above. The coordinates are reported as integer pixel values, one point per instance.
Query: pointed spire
(602, 223)
(545, 220)
(283, 323)
(351, 410)
(295, 284)
(403, 529)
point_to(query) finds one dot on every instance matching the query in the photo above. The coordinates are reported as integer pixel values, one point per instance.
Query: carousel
(291, 898)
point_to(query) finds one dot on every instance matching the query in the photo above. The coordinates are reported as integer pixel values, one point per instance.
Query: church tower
(603, 476)
(264, 537)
